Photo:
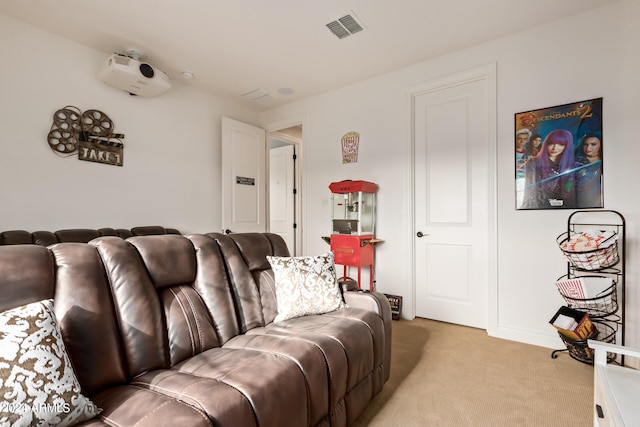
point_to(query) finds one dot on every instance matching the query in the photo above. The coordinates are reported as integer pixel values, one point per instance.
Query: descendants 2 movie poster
(559, 157)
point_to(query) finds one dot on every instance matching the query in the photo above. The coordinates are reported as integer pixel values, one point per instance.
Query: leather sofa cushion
(137, 307)
(253, 288)
(222, 402)
(169, 261)
(254, 374)
(130, 405)
(324, 366)
(76, 235)
(15, 237)
(84, 308)
(44, 238)
(213, 286)
(27, 274)
(152, 230)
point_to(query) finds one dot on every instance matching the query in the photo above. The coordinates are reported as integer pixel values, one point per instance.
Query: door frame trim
(300, 219)
(295, 143)
(488, 74)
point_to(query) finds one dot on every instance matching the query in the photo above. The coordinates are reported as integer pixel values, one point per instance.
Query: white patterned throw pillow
(37, 382)
(305, 285)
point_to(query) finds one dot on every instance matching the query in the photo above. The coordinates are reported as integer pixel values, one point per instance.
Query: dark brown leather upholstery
(72, 274)
(151, 230)
(178, 330)
(166, 325)
(124, 233)
(77, 235)
(27, 274)
(85, 311)
(44, 238)
(15, 237)
(354, 380)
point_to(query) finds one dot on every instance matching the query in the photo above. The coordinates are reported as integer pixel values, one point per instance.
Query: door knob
(421, 234)
(227, 231)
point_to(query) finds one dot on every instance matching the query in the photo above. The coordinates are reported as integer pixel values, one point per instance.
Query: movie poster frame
(579, 186)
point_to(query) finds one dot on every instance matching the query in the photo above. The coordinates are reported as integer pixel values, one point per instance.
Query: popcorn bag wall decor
(350, 142)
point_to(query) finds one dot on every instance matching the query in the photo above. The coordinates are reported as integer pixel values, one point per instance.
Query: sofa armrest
(372, 301)
(379, 304)
(348, 285)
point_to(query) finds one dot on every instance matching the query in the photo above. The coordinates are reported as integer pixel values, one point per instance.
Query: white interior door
(244, 190)
(452, 133)
(281, 194)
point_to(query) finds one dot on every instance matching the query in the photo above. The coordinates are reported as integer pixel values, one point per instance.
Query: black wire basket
(580, 350)
(603, 304)
(606, 255)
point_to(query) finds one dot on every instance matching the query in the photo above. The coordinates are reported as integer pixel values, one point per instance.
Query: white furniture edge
(608, 391)
(601, 356)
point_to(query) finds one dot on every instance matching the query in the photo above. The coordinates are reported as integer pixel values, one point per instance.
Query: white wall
(583, 57)
(171, 172)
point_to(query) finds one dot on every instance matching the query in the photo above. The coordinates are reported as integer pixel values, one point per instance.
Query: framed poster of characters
(558, 157)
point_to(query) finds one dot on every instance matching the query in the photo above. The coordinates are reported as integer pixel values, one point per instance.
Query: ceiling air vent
(345, 26)
(258, 95)
(255, 94)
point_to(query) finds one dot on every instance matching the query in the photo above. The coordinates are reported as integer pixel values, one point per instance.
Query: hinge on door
(295, 225)
(295, 191)
(295, 156)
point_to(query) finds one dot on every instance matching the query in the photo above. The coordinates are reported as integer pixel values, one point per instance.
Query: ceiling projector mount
(136, 54)
(129, 73)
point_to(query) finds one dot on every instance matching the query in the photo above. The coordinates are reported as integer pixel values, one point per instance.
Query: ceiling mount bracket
(135, 54)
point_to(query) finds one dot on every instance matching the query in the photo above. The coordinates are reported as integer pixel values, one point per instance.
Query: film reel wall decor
(89, 134)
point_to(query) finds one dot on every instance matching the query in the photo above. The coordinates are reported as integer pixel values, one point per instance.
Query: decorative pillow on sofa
(37, 382)
(305, 285)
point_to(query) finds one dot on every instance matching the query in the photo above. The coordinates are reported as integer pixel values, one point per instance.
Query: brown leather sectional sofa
(173, 330)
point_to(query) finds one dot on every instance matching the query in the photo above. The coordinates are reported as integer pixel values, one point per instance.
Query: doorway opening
(284, 146)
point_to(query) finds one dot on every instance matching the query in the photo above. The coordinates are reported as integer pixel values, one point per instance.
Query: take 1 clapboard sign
(90, 134)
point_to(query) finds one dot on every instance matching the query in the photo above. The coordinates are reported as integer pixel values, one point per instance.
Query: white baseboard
(550, 340)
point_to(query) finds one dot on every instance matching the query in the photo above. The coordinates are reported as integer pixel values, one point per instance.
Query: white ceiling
(236, 46)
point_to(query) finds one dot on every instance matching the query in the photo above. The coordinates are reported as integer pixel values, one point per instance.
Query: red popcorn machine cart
(352, 239)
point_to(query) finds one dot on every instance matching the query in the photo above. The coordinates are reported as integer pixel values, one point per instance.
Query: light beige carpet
(450, 375)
